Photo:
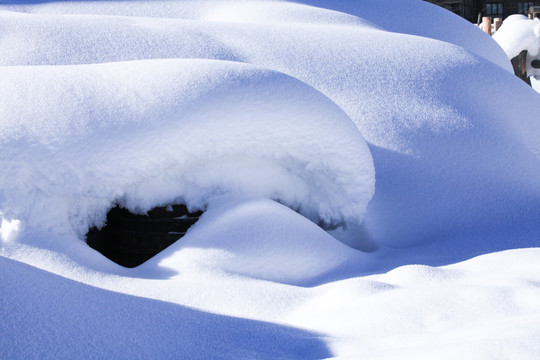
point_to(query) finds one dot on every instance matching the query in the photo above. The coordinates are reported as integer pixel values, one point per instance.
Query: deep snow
(274, 117)
(190, 131)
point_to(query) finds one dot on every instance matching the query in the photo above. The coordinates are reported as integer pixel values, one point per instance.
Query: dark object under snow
(519, 63)
(130, 239)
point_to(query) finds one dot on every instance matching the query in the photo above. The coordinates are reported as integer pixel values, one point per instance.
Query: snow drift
(426, 123)
(267, 114)
(102, 324)
(143, 134)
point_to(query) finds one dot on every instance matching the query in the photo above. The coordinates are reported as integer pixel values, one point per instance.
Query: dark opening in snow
(129, 239)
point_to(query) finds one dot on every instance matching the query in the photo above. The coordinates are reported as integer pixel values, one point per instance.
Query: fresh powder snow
(369, 174)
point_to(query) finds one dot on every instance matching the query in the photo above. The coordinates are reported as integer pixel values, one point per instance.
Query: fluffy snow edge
(77, 139)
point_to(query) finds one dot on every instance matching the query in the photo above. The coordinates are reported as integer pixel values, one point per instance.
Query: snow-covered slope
(275, 117)
(53, 317)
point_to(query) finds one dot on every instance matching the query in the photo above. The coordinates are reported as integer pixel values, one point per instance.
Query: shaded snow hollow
(274, 117)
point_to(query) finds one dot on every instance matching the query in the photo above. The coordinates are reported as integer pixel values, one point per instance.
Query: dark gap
(129, 239)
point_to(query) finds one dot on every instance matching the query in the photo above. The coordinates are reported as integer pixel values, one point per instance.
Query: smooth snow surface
(392, 126)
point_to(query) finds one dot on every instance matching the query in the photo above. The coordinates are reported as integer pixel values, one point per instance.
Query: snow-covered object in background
(518, 33)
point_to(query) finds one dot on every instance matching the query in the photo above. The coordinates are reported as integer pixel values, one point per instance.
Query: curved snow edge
(147, 133)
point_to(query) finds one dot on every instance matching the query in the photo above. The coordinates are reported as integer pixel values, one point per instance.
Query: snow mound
(148, 133)
(104, 31)
(256, 238)
(426, 123)
(486, 304)
(253, 109)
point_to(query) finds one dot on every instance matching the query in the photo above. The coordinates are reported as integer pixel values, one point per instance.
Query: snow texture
(155, 132)
(306, 130)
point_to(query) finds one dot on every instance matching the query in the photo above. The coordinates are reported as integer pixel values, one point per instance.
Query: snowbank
(143, 134)
(237, 236)
(275, 117)
(426, 122)
(107, 34)
(419, 312)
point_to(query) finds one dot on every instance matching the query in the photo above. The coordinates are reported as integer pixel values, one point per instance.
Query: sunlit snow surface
(394, 119)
